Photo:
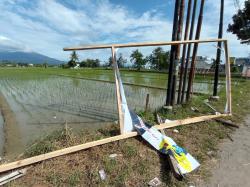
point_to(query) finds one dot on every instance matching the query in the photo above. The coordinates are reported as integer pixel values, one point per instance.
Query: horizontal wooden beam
(46, 156)
(189, 121)
(144, 44)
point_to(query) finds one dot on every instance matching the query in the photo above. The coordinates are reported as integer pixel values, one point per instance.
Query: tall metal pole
(184, 50)
(197, 37)
(188, 51)
(172, 54)
(177, 54)
(218, 55)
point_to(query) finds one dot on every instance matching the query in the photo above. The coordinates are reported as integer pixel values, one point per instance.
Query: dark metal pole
(177, 54)
(172, 55)
(218, 55)
(184, 50)
(189, 50)
(197, 37)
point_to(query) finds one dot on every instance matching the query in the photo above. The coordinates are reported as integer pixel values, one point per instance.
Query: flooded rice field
(44, 103)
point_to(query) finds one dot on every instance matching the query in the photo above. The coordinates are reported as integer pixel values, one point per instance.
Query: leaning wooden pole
(177, 54)
(172, 54)
(197, 37)
(184, 50)
(228, 108)
(118, 94)
(188, 51)
(218, 54)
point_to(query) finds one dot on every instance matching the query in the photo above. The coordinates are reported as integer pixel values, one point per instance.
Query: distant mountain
(27, 57)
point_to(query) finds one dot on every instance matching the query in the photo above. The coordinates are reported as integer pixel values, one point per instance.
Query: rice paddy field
(44, 100)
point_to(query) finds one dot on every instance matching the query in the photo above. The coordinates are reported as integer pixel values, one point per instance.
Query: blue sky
(46, 26)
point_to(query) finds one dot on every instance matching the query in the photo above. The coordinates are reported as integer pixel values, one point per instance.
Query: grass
(136, 162)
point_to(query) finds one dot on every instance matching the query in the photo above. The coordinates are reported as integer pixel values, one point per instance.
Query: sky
(46, 26)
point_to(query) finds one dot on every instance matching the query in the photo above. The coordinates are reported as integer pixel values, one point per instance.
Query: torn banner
(185, 162)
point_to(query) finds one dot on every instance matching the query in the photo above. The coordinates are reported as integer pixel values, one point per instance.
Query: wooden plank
(118, 95)
(144, 44)
(228, 79)
(189, 121)
(73, 149)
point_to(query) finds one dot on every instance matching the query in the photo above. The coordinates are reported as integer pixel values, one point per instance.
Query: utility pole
(177, 54)
(184, 50)
(188, 51)
(218, 54)
(172, 55)
(197, 37)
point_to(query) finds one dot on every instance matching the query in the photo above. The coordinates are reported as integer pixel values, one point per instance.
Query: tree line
(157, 60)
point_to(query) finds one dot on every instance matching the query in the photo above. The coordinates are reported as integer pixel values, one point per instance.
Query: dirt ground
(233, 165)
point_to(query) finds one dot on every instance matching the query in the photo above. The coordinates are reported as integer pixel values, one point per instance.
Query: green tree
(110, 62)
(45, 64)
(121, 61)
(241, 24)
(159, 59)
(73, 59)
(137, 59)
(92, 63)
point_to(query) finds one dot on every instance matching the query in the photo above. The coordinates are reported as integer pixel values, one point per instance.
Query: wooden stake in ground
(184, 50)
(197, 37)
(147, 101)
(218, 55)
(188, 51)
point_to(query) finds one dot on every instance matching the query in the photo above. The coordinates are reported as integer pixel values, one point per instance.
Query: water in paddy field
(43, 104)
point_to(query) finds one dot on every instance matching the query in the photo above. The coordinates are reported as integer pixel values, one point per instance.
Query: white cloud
(7, 44)
(46, 26)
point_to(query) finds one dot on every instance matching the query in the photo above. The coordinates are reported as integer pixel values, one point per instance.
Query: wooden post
(228, 80)
(147, 101)
(218, 55)
(188, 51)
(184, 51)
(192, 69)
(118, 95)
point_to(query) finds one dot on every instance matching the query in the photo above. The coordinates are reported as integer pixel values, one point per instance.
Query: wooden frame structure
(53, 154)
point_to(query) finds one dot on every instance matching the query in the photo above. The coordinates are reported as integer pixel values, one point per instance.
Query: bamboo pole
(76, 148)
(172, 55)
(188, 51)
(192, 69)
(218, 54)
(177, 54)
(184, 51)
